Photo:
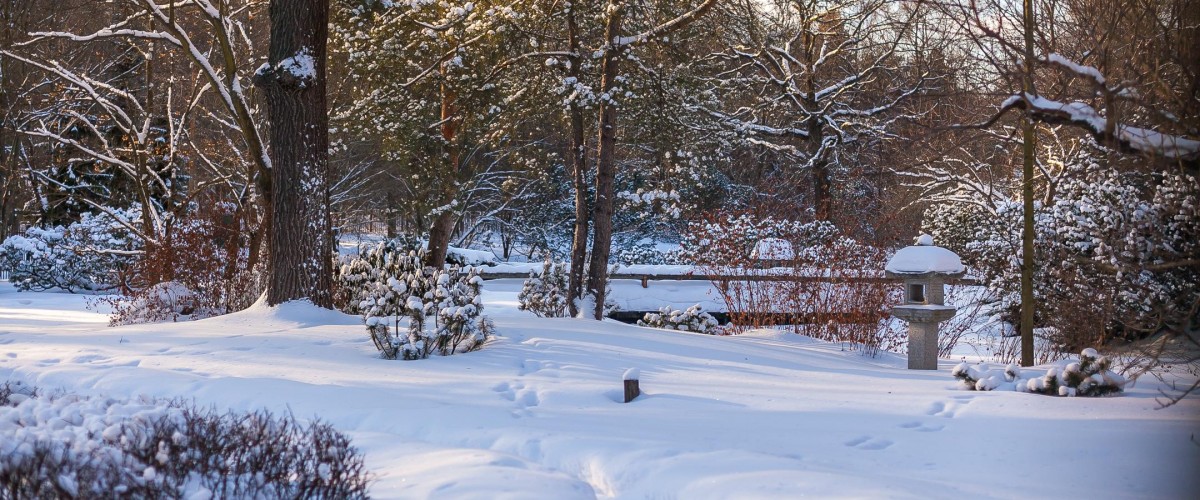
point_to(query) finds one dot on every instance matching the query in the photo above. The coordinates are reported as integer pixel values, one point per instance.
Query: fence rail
(646, 278)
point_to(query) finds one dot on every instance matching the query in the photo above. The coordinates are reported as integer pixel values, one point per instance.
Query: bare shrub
(847, 300)
(826, 285)
(202, 267)
(972, 304)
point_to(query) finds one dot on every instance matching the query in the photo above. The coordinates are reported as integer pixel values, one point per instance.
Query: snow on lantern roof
(772, 249)
(925, 258)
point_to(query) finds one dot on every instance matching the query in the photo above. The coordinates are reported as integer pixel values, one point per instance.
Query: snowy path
(535, 414)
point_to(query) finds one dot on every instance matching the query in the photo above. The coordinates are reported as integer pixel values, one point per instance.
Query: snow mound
(300, 313)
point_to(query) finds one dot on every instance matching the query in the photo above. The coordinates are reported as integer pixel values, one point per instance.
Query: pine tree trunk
(300, 263)
(1027, 232)
(579, 169)
(390, 215)
(439, 237)
(606, 168)
(443, 225)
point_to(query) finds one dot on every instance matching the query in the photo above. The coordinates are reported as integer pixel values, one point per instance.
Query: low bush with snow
(1091, 375)
(692, 319)
(68, 446)
(442, 307)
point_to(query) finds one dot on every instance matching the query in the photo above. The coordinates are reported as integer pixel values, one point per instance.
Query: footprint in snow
(524, 398)
(920, 427)
(532, 366)
(505, 390)
(948, 409)
(868, 443)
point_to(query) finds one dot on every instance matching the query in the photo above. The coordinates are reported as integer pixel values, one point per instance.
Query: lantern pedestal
(923, 332)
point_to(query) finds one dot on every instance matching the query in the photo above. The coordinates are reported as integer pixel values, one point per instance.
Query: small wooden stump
(631, 384)
(631, 390)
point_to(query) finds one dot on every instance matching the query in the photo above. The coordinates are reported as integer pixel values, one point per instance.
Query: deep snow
(535, 414)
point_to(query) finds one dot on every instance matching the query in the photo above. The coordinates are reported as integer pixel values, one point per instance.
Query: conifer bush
(1091, 375)
(545, 294)
(412, 311)
(692, 319)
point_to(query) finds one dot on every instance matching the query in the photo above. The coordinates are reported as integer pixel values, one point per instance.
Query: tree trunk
(1027, 233)
(821, 188)
(579, 169)
(293, 82)
(439, 237)
(606, 168)
(390, 215)
(443, 225)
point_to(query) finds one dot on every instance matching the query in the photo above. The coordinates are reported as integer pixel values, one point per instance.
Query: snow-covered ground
(536, 413)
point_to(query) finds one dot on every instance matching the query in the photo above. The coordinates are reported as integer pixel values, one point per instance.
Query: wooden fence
(646, 278)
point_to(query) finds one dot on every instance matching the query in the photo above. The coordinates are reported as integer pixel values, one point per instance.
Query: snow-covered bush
(982, 377)
(1114, 251)
(92, 254)
(1091, 375)
(69, 446)
(640, 254)
(465, 257)
(726, 237)
(545, 294)
(442, 307)
(692, 319)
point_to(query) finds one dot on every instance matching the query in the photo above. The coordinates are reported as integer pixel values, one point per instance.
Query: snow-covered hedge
(693, 319)
(69, 446)
(87, 255)
(412, 311)
(1091, 375)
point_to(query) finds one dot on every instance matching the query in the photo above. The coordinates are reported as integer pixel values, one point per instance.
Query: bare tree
(616, 45)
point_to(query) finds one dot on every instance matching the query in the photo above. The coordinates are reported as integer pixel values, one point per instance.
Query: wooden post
(631, 390)
(631, 384)
(645, 282)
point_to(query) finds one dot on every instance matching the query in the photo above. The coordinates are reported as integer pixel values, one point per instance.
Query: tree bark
(606, 168)
(578, 156)
(1027, 230)
(443, 225)
(821, 190)
(293, 82)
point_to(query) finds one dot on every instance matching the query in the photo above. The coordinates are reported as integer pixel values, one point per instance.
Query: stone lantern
(924, 269)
